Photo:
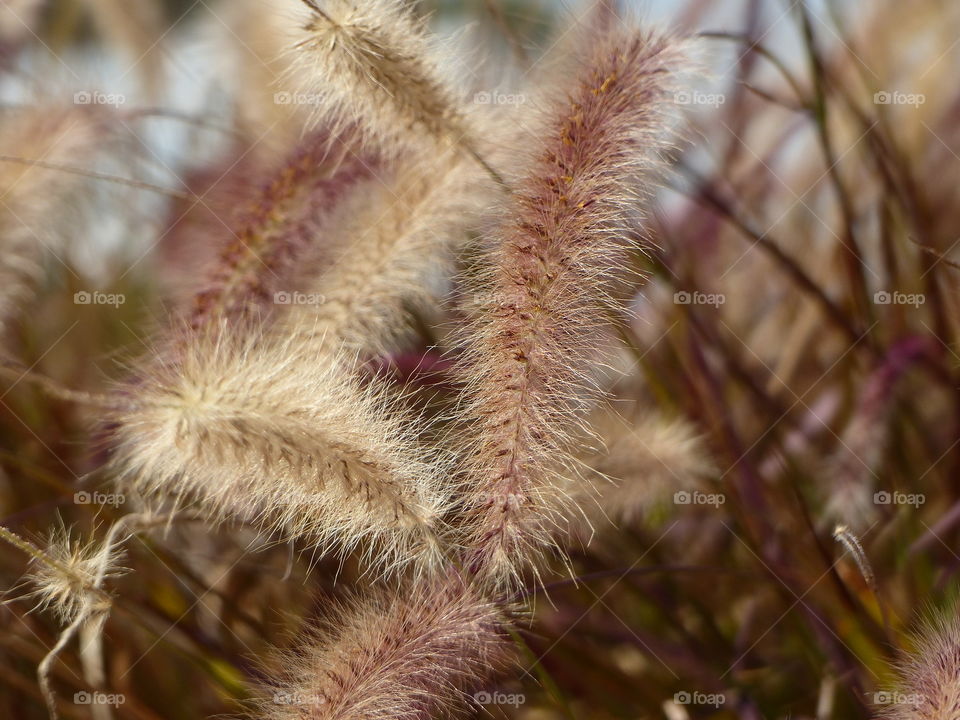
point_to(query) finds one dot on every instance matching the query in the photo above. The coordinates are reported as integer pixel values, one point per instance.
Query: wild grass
(561, 366)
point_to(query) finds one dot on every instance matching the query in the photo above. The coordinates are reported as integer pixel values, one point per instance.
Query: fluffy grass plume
(637, 462)
(929, 687)
(33, 196)
(550, 271)
(257, 257)
(68, 574)
(251, 426)
(375, 64)
(407, 654)
(391, 250)
(802, 319)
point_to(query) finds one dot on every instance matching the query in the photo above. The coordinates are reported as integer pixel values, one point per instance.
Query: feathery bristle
(256, 427)
(256, 260)
(550, 274)
(409, 654)
(638, 463)
(854, 466)
(68, 583)
(392, 251)
(929, 687)
(375, 64)
(32, 195)
(843, 535)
